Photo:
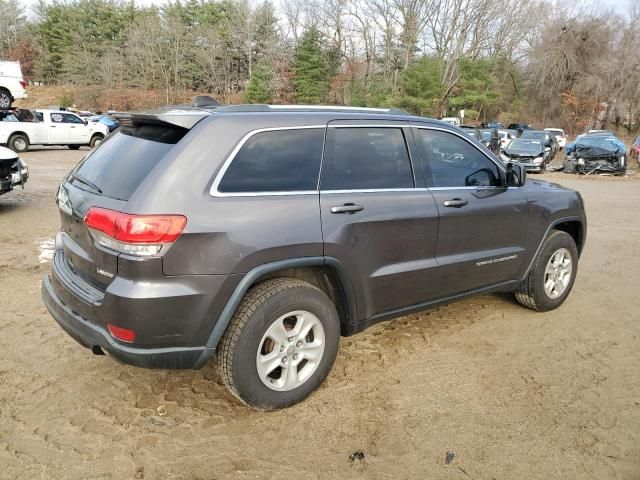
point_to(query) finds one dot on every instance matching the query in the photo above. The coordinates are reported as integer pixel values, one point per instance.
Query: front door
(78, 132)
(374, 220)
(483, 223)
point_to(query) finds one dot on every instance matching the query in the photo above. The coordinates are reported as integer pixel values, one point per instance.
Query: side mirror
(516, 175)
(86, 122)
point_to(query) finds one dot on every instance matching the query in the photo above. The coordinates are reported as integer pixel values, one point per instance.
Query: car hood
(545, 185)
(588, 151)
(523, 153)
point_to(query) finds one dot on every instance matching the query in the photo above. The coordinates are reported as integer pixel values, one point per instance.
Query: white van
(12, 85)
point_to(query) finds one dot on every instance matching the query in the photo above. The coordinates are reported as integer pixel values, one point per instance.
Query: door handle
(455, 203)
(347, 208)
(53, 126)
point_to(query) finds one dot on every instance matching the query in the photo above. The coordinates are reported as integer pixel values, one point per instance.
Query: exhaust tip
(97, 350)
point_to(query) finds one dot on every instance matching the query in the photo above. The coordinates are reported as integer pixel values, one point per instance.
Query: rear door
(376, 219)
(58, 129)
(483, 224)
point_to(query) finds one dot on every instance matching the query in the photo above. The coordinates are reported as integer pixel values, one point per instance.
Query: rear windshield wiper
(89, 183)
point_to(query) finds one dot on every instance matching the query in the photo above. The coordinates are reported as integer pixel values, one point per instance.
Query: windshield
(519, 145)
(536, 135)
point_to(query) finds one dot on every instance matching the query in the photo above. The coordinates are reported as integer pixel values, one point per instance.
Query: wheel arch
(326, 273)
(574, 226)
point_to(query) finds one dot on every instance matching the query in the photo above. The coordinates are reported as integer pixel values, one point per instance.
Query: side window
(454, 162)
(68, 118)
(39, 116)
(367, 158)
(57, 118)
(276, 161)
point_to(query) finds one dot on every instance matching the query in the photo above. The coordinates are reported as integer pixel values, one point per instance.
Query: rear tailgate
(106, 178)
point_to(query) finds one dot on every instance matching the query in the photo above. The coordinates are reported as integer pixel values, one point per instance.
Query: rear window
(120, 164)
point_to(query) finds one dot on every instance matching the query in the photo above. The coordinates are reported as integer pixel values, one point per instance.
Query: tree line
(540, 61)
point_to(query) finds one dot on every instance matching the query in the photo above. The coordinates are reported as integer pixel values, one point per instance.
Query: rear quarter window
(120, 164)
(276, 161)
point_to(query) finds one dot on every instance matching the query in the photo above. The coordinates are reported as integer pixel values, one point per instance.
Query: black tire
(262, 306)
(96, 139)
(73, 147)
(18, 143)
(531, 292)
(5, 100)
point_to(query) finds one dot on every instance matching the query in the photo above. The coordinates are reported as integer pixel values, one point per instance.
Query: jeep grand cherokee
(259, 235)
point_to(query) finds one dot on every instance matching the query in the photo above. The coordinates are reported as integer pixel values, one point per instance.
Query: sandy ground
(512, 393)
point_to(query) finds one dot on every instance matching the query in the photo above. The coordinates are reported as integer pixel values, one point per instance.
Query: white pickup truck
(12, 85)
(20, 128)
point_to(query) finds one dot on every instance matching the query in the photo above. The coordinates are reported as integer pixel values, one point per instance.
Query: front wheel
(96, 140)
(552, 275)
(280, 344)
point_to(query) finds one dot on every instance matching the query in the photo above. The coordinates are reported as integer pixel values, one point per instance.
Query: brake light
(23, 84)
(143, 235)
(122, 334)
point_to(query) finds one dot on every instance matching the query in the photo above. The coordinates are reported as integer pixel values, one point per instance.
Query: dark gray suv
(259, 235)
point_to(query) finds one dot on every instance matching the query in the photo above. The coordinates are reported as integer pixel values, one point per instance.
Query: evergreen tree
(260, 88)
(311, 69)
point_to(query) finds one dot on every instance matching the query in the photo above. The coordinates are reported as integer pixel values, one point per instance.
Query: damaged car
(13, 171)
(531, 154)
(596, 153)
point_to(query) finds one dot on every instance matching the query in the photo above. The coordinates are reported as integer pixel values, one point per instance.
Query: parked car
(519, 127)
(263, 251)
(12, 85)
(506, 137)
(105, 120)
(597, 153)
(452, 120)
(559, 134)
(13, 171)
(635, 150)
(548, 140)
(530, 154)
(48, 127)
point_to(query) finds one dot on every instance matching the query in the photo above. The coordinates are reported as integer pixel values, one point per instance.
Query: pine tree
(260, 88)
(312, 72)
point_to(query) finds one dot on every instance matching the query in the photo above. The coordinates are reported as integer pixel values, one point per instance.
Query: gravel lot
(512, 393)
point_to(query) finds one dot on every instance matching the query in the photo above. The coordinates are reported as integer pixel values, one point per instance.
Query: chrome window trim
(462, 136)
(225, 166)
(375, 190)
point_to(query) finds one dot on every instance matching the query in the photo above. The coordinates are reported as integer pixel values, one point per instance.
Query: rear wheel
(5, 100)
(280, 344)
(96, 140)
(552, 275)
(18, 143)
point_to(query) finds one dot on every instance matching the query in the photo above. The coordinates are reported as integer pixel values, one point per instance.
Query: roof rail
(306, 108)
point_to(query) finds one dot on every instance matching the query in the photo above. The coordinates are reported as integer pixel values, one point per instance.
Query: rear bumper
(90, 335)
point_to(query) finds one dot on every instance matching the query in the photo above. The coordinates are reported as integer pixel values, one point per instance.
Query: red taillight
(122, 334)
(23, 84)
(136, 228)
(144, 235)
